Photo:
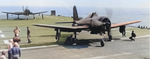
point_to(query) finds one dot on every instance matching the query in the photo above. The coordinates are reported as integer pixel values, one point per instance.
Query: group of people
(13, 45)
(122, 30)
(13, 49)
(17, 32)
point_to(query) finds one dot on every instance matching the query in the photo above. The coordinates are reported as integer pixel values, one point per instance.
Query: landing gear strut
(102, 42)
(42, 16)
(57, 34)
(7, 16)
(33, 16)
(75, 35)
(18, 17)
(109, 35)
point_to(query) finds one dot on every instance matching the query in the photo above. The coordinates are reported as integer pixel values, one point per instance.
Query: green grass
(39, 35)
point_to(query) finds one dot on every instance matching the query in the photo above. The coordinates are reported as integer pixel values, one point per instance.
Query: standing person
(16, 39)
(16, 52)
(9, 46)
(28, 35)
(122, 30)
(3, 55)
(133, 35)
(16, 31)
(17, 43)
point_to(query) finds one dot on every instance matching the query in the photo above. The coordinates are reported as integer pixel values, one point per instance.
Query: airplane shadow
(75, 46)
(82, 43)
(85, 43)
(116, 38)
(128, 40)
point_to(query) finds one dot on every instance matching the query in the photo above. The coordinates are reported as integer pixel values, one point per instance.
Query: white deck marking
(2, 35)
(1, 31)
(6, 41)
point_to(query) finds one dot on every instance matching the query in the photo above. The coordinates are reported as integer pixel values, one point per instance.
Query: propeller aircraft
(25, 12)
(93, 23)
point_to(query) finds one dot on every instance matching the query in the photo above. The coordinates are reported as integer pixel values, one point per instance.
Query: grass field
(46, 36)
(39, 35)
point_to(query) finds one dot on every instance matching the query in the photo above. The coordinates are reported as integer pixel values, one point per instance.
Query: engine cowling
(102, 28)
(106, 23)
(27, 12)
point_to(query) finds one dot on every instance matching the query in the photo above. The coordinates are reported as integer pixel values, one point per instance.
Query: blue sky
(81, 3)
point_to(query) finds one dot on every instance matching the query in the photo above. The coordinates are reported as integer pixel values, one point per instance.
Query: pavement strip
(114, 55)
(58, 45)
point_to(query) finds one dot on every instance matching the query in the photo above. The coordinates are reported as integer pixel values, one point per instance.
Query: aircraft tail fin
(75, 14)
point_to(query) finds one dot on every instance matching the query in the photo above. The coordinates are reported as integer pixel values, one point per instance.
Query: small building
(53, 13)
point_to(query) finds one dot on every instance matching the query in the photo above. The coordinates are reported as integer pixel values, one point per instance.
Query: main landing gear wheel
(102, 42)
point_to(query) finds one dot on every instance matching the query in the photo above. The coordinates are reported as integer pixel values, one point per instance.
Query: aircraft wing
(121, 24)
(81, 27)
(40, 12)
(62, 27)
(16, 13)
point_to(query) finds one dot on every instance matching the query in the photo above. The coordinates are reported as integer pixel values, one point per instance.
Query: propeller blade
(26, 7)
(23, 8)
(109, 12)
